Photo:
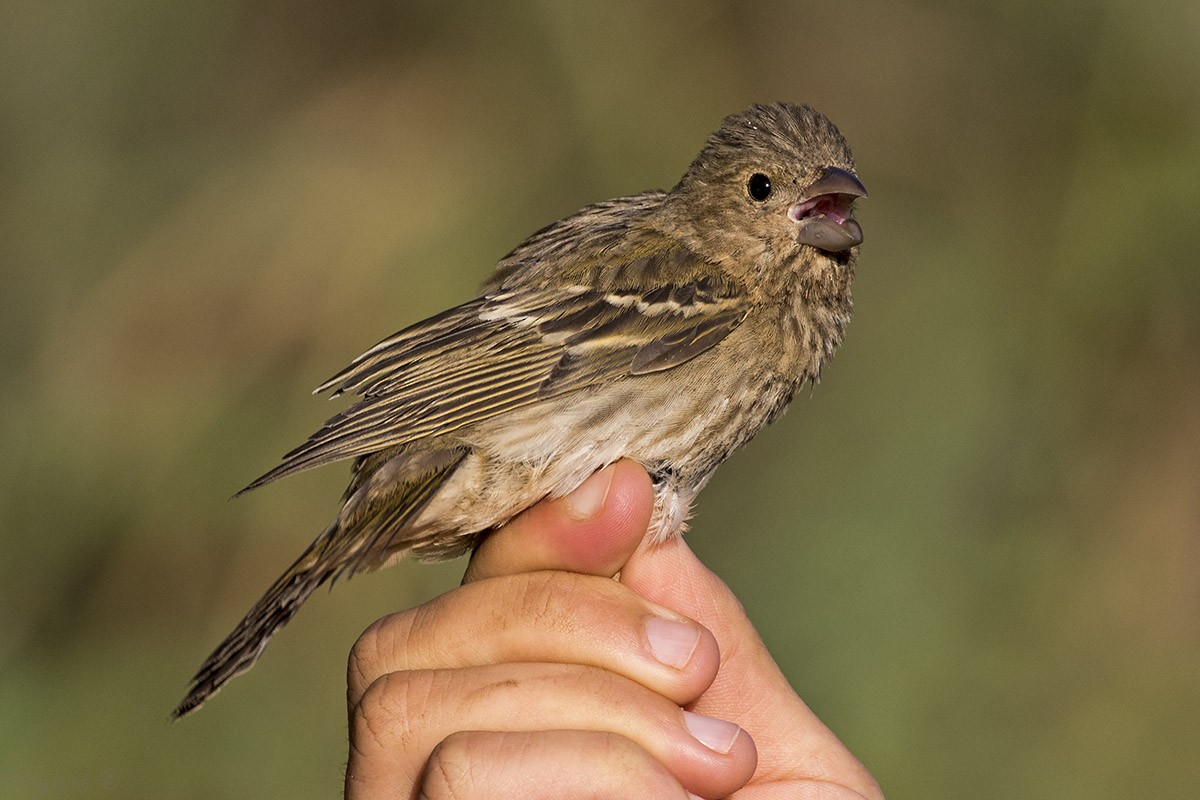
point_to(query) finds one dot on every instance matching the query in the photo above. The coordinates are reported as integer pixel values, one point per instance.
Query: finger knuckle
(388, 716)
(450, 772)
(375, 652)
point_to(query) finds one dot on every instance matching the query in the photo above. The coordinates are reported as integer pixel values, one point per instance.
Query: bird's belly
(550, 448)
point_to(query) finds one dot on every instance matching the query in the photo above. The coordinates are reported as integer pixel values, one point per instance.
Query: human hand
(798, 756)
(533, 683)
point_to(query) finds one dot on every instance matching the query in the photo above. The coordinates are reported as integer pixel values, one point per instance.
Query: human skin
(542, 677)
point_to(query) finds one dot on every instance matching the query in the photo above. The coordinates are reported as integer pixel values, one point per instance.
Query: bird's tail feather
(367, 534)
(246, 643)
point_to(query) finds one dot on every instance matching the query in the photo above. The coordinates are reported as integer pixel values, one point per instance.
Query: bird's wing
(510, 348)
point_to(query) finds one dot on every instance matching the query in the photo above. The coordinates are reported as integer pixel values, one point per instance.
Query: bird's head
(774, 183)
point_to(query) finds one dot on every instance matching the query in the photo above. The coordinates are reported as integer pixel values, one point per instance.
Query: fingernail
(672, 642)
(715, 734)
(588, 500)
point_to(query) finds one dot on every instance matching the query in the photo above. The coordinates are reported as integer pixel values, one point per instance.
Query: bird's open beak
(824, 218)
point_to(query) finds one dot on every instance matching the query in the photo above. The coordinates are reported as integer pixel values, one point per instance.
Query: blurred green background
(974, 548)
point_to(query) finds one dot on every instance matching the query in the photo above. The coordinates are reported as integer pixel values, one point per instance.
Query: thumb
(793, 744)
(671, 575)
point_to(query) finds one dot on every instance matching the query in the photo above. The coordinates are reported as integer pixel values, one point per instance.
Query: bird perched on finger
(665, 327)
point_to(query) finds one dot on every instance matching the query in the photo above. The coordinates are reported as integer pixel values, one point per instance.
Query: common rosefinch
(665, 327)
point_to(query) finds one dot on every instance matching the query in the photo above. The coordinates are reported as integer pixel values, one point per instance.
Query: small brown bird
(665, 327)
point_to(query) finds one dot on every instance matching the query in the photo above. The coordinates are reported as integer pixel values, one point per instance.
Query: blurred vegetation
(974, 548)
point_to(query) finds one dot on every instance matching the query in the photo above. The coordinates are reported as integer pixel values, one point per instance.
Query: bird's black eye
(759, 186)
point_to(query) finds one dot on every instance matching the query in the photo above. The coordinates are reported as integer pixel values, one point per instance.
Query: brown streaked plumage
(666, 327)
